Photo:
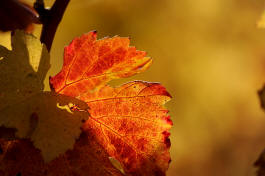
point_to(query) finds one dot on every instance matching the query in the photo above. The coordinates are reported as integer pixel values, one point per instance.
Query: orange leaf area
(90, 63)
(130, 121)
(20, 157)
(123, 129)
(132, 125)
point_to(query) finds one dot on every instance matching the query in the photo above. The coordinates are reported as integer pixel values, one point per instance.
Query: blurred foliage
(211, 57)
(261, 22)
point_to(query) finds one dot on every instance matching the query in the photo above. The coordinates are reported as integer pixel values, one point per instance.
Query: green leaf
(45, 118)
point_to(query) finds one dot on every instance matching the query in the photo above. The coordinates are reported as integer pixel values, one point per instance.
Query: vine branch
(50, 18)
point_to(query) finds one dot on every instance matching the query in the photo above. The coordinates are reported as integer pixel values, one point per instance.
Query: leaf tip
(94, 32)
(166, 139)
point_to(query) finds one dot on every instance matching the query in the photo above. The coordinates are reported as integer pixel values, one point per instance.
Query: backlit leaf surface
(129, 121)
(20, 157)
(90, 63)
(52, 129)
(34, 114)
(23, 69)
(132, 125)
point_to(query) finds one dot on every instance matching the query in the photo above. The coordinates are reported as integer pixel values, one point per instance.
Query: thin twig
(50, 19)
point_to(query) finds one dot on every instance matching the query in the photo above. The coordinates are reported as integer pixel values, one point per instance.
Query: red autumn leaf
(129, 122)
(90, 63)
(132, 125)
(20, 157)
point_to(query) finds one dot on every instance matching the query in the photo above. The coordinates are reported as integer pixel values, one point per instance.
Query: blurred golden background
(210, 56)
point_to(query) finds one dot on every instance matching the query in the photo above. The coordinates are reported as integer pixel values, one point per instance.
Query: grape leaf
(39, 118)
(35, 114)
(89, 64)
(129, 122)
(86, 158)
(132, 125)
(22, 70)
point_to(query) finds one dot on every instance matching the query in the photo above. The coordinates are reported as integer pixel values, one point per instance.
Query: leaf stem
(50, 18)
